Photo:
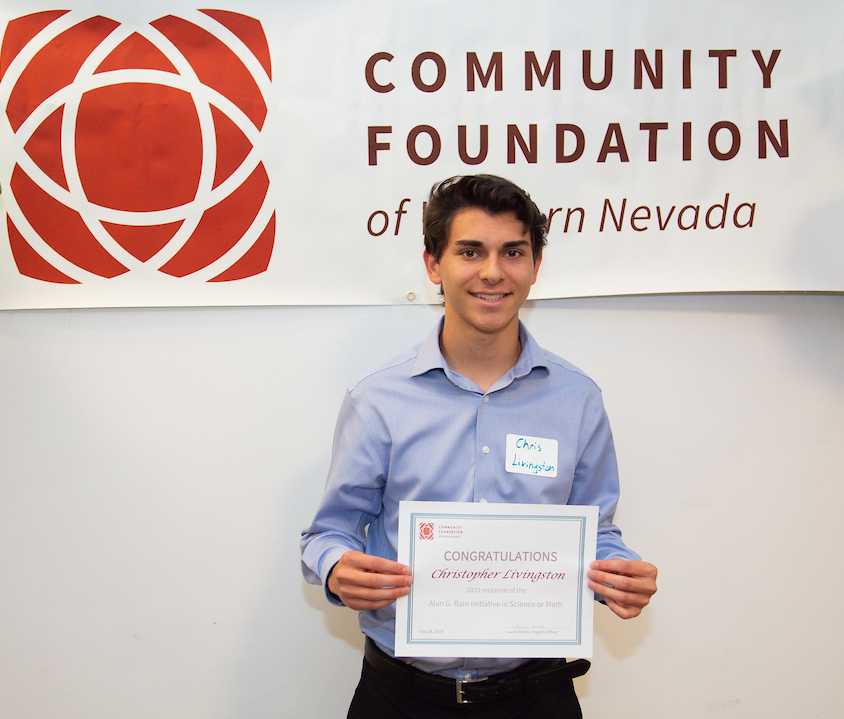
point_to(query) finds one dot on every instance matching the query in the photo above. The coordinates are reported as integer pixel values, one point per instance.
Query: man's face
(486, 270)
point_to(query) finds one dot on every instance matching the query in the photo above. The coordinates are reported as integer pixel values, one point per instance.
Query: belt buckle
(460, 698)
(458, 685)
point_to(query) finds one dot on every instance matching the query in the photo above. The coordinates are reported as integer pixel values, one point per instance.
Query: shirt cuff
(326, 564)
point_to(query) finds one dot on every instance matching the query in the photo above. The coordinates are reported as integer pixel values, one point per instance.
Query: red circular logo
(426, 530)
(136, 146)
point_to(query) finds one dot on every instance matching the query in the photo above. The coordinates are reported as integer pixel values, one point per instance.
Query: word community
(428, 70)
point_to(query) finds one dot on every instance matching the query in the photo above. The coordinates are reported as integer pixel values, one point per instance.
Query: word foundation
(566, 142)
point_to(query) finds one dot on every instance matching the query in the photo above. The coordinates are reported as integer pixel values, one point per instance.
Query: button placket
(482, 475)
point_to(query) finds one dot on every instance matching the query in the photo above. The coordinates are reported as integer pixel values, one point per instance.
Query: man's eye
(468, 252)
(514, 253)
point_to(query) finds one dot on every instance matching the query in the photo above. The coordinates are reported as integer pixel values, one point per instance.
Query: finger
(371, 563)
(372, 595)
(627, 598)
(622, 610)
(623, 582)
(355, 577)
(628, 567)
(362, 604)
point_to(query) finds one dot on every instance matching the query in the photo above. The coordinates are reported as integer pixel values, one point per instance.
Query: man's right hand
(363, 581)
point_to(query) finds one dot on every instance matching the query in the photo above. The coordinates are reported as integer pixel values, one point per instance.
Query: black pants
(380, 696)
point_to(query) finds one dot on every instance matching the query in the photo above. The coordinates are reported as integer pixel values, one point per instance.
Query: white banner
(280, 153)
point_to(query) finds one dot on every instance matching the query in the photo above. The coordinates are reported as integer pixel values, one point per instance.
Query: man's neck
(482, 357)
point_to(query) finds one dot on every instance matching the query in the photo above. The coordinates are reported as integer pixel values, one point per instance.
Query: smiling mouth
(491, 298)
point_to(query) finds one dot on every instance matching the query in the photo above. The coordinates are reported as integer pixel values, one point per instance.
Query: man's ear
(432, 267)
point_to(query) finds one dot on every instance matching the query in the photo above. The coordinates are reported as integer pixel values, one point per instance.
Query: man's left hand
(626, 585)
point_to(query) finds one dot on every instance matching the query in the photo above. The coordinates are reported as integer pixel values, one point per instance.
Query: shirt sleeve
(353, 492)
(596, 478)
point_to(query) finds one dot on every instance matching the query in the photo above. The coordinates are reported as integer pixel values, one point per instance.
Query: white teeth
(489, 298)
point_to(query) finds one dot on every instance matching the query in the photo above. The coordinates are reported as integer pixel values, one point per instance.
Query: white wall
(157, 466)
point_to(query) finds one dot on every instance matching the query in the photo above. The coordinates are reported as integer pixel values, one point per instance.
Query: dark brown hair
(487, 192)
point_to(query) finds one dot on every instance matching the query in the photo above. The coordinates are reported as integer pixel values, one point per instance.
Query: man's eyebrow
(478, 243)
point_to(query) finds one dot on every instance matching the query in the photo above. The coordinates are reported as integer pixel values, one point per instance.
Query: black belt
(533, 677)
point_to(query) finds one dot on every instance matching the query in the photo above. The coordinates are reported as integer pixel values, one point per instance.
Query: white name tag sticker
(531, 455)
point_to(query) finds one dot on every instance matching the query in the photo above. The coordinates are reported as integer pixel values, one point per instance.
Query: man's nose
(491, 270)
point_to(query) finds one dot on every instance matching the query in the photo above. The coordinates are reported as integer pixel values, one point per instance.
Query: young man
(431, 425)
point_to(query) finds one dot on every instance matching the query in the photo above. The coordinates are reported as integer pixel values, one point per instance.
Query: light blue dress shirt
(416, 429)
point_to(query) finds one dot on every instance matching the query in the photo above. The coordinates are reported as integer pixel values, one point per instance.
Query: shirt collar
(429, 355)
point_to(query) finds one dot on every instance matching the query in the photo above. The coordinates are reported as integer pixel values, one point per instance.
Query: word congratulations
(470, 575)
(479, 555)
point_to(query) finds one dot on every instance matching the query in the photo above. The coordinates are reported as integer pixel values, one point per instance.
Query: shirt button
(486, 398)
(485, 449)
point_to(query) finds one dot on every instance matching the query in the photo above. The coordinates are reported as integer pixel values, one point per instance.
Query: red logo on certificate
(426, 530)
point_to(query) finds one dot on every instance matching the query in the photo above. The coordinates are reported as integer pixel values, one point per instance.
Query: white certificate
(496, 580)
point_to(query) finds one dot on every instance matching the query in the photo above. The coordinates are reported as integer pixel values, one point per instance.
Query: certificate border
(524, 642)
